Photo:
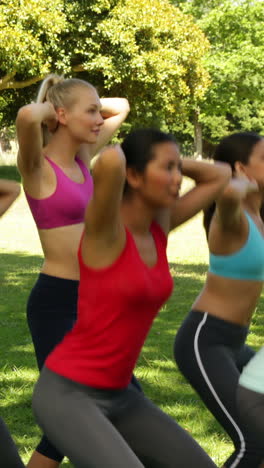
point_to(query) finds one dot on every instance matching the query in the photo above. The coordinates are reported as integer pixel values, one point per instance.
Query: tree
(234, 101)
(29, 41)
(146, 50)
(198, 8)
(29, 36)
(153, 58)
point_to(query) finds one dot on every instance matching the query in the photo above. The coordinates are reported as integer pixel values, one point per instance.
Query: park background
(191, 67)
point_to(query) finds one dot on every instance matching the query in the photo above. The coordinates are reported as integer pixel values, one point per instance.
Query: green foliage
(235, 64)
(154, 59)
(199, 8)
(150, 51)
(146, 50)
(234, 101)
(29, 35)
(11, 100)
(29, 41)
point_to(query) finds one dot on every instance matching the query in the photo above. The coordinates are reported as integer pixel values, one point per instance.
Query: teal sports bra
(247, 263)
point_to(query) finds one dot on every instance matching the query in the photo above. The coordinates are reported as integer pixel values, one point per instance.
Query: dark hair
(139, 146)
(235, 147)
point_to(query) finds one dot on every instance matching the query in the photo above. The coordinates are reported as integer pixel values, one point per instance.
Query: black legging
(211, 354)
(251, 411)
(9, 457)
(111, 428)
(51, 313)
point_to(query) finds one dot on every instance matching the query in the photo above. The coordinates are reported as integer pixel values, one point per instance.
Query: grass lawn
(20, 259)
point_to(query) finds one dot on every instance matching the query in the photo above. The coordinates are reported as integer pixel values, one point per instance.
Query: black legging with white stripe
(211, 354)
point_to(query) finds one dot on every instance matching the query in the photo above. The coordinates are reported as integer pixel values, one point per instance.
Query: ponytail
(49, 81)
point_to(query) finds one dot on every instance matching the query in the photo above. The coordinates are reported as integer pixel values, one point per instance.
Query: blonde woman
(58, 135)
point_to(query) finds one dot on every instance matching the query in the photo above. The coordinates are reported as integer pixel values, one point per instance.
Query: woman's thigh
(77, 427)
(157, 440)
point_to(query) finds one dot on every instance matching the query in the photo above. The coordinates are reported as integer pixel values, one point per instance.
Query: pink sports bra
(67, 204)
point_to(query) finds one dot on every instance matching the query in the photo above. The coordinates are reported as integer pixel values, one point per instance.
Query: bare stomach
(231, 300)
(60, 247)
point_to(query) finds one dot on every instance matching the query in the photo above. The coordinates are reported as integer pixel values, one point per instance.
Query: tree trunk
(198, 138)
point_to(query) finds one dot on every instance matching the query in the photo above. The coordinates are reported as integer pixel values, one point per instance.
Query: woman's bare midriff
(229, 299)
(60, 248)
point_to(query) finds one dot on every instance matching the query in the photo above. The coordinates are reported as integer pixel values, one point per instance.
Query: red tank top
(116, 308)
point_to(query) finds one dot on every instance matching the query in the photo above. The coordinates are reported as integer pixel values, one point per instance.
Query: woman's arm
(9, 191)
(210, 180)
(109, 173)
(114, 112)
(104, 233)
(29, 123)
(229, 203)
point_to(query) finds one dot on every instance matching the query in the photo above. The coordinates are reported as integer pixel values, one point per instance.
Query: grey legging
(111, 428)
(9, 457)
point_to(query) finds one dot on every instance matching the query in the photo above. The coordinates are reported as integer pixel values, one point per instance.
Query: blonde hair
(60, 92)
